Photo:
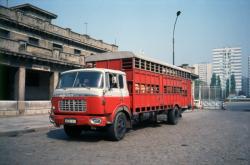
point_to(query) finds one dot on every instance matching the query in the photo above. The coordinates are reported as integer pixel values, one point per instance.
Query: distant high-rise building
(244, 86)
(227, 62)
(204, 71)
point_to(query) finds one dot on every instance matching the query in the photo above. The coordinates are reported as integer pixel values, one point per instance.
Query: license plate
(70, 121)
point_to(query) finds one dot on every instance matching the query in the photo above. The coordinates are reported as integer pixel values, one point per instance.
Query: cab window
(111, 80)
(121, 81)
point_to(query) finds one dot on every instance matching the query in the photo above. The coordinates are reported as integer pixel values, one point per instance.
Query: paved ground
(236, 106)
(10, 126)
(207, 137)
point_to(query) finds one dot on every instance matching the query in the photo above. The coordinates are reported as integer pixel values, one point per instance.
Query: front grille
(73, 105)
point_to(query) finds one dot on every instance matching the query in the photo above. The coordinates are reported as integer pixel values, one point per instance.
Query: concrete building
(204, 71)
(189, 68)
(227, 61)
(32, 53)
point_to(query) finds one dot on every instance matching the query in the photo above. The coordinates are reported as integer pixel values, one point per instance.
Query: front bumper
(80, 120)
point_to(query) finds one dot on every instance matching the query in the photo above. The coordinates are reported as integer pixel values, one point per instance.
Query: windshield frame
(101, 83)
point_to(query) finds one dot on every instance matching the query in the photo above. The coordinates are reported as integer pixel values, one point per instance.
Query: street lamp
(86, 28)
(177, 14)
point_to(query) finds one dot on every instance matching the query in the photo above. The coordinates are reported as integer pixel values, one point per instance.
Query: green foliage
(183, 65)
(218, 81)
(218, 85)
(233, 84)
(213, 80)
(230, 86)
(227, 88)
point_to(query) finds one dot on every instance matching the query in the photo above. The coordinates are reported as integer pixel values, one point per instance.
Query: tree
(218, 85)
(213, 80)
(232, 85)
(227, 88)
(183, 65)
(218, 81)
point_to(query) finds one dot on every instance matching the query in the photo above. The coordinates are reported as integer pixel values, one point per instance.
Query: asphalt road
(238, 106)
(205, 137)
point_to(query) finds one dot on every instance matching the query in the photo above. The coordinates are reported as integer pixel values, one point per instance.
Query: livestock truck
(119, 89)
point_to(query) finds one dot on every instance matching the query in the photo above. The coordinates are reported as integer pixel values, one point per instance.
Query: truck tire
(173, 116)
(118, 129)
(72, 131)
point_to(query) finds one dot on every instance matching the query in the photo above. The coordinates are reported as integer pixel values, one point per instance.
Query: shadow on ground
(95, 136)
(86, 136)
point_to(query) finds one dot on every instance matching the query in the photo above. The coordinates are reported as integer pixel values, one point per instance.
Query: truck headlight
(95, 121)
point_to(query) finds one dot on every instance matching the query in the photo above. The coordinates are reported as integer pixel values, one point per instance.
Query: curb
(15, 133)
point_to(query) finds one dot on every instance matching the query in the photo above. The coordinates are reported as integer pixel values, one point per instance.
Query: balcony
(39, 53)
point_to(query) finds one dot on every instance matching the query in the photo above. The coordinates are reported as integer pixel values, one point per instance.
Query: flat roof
(30, 7)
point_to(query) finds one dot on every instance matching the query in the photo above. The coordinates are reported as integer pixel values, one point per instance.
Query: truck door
(121, 87)
(113, 95)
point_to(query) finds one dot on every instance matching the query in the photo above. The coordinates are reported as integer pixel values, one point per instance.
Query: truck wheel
(173, 115)
(72, 131)
(118, 129)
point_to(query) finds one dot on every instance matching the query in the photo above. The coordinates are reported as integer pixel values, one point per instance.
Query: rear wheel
(72, 131)
(118, 129)
(173, 115)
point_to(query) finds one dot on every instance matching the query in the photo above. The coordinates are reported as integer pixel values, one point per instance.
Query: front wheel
(173, 115)
(118, 129)
(72, 131)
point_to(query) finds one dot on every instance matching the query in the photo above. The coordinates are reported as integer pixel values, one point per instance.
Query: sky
(146, 26)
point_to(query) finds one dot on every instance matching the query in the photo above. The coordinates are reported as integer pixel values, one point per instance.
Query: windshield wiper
(84, 86)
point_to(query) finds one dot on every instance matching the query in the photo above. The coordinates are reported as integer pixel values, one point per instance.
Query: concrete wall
(37, 107)
(9, 108)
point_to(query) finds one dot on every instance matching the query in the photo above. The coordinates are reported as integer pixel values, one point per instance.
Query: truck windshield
(85, 79)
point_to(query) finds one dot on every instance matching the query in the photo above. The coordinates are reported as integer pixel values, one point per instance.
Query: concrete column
(20, 88)
(53, 82)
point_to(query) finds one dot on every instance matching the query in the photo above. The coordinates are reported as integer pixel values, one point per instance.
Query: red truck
(117, 89)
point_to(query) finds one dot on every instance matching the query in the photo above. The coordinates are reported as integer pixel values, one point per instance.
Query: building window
(4, 33)
(23, 45)
(57, 46)
(34, 41)
(77, 51)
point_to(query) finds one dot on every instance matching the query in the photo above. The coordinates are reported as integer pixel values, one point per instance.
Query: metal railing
(208, 97)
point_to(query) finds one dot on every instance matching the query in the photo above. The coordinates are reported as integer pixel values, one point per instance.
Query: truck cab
(91, 99)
